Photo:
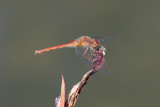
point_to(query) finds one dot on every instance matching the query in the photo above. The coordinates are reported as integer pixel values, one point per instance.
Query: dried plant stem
(76, 90)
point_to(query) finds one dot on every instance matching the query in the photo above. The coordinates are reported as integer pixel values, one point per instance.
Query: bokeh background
(29, 80)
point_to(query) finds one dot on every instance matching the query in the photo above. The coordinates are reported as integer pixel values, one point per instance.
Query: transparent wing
(104, 39)
(105, 69)
(80, 51)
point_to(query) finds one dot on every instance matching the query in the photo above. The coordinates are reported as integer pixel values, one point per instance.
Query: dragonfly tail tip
(37, 52)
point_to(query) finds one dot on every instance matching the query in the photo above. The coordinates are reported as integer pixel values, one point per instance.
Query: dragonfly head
(95, 43)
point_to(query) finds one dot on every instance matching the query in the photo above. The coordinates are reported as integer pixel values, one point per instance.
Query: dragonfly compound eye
(95, 43)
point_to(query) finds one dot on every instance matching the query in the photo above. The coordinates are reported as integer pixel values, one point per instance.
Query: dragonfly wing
(104, 39)
(80, 51)
(105, 69)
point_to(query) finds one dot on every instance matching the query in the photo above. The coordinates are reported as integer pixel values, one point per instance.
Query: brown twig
(76, 90)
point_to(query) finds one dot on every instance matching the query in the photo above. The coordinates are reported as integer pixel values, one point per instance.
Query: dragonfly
(85, 46)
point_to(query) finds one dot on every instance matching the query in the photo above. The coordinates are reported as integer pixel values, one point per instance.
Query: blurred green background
(29, 80)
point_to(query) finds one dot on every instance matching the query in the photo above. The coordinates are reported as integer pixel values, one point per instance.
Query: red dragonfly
(83, 41)
(85, 47)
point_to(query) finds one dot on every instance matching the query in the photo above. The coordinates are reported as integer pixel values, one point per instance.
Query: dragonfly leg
(84, 55)
(91, 51)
